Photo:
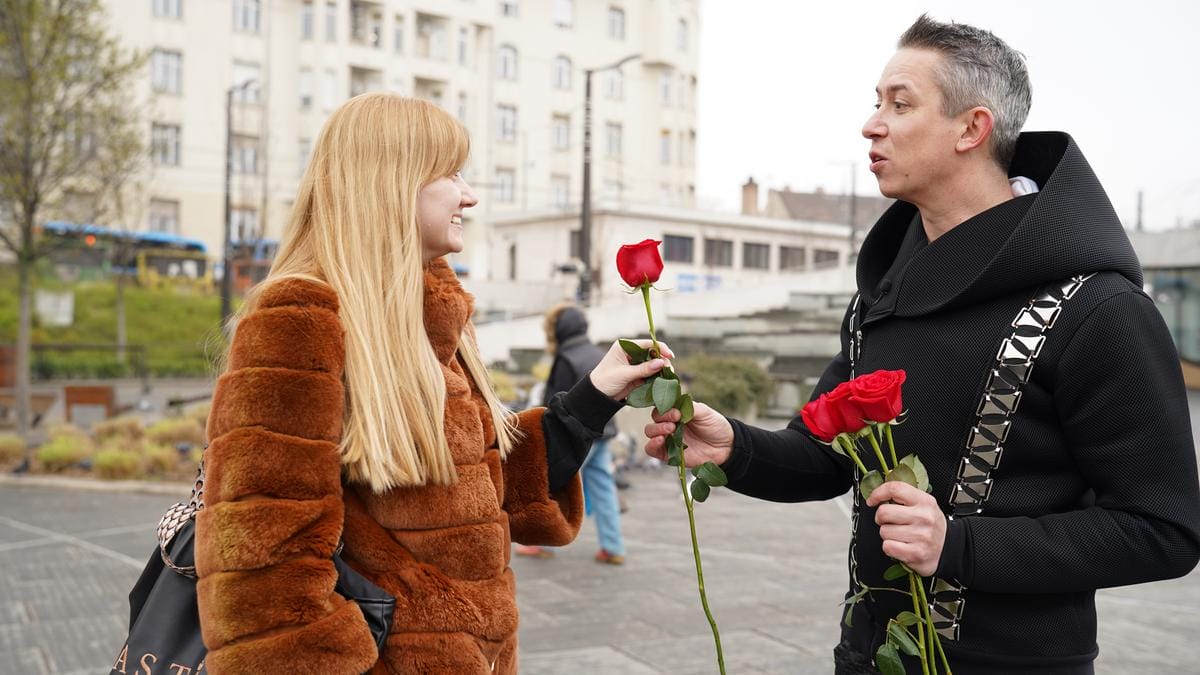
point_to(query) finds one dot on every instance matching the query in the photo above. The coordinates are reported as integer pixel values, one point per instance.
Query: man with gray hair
(1002, 251)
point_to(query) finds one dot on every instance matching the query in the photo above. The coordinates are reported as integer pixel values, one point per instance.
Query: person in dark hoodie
(1002, 251)
(574, 357)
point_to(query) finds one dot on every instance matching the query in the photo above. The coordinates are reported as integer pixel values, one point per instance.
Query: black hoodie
(1097, 486)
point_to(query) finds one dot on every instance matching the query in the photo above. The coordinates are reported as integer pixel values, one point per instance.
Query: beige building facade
(511, 70)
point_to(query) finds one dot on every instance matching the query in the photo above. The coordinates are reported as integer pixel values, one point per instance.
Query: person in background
(574, 357)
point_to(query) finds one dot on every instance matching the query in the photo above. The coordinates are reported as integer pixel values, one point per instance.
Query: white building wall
(205, 37)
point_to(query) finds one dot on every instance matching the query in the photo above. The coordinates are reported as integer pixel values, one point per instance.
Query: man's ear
(978, 123)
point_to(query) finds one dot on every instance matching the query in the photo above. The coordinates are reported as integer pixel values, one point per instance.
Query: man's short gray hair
(978, 69)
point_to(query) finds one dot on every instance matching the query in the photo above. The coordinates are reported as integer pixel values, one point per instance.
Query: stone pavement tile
(587, 630)
(696, 655)
(589, 661)
(85, 642)
(26, 661)
(1146, 636)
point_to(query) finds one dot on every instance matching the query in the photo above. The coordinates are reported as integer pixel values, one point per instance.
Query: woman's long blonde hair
(354, 228)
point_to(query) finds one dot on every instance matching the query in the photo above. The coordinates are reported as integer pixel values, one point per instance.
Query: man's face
(912, 142)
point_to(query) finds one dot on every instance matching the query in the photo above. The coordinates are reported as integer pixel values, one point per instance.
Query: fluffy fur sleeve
(273, 502)
(536, 515)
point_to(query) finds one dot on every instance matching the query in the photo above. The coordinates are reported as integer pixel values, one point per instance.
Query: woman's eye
(899, 105)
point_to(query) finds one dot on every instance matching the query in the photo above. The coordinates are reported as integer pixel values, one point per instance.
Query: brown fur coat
(275, 507)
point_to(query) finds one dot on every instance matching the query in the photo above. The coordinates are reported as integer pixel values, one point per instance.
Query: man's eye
(877, 105)
(899, 105)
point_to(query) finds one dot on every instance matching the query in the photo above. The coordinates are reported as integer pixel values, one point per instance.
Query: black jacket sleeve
(1124, 411)
(789, 465)
(573, 421)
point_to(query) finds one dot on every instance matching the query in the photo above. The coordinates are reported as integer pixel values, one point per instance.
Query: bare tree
(68, 127)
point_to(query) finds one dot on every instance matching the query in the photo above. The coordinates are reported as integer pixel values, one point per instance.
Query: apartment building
(512, 70)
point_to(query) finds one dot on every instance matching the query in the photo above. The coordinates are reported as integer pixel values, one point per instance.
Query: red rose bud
(877, 395)
(819, 420)
(640, 263)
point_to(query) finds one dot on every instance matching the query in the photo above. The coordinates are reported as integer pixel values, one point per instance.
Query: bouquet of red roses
(866, 408)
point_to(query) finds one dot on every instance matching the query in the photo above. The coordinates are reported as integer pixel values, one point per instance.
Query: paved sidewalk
(775, 574)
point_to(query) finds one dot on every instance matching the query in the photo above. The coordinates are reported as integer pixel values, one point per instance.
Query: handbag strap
(993, 423)
(176, 517)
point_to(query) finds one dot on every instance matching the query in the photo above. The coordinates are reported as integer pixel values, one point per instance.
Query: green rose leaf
(675, 456)
(899, 635)
(642, 397)
(686, 409)
(665, 393)
(849, 613)
(712, 474)
(668, 373)
(887, 659)
(700, 490)
(897, 571)
(913, 462)
(907, 619)
(904, 474)
(869, 482)
(637, 353)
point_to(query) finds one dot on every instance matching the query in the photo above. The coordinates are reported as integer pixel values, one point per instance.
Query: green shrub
(120, 429)
(731, 384)
(63, 451)
(12, 448)
(160, 460)
(175, 430)
(117, 463)
(199, 413)
(503, 385)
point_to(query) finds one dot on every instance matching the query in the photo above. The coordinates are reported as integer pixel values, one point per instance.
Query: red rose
(851, 418)
(819, 420)
(877, 395)
(640, 263)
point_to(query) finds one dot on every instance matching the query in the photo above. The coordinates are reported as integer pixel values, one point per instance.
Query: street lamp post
(227, 252)
(585, 202)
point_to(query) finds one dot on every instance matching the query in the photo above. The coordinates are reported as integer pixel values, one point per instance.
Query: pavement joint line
(182, 490)
(43, 541)
(633, 657)
(1124, 600)
(75, 541)
(707, 551)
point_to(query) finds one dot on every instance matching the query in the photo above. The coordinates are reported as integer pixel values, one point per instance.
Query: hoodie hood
(570, 323)
(1067, 228)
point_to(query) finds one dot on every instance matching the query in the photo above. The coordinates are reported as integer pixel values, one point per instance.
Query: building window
(305, 87)
(164, 216)
(308, 20)
(398, 34)
(678, 249)
(683, 91)
(462, 107)
(792, 259)
(506, 62)
(331, 22)
(433, 41)
(756, 256)
(824, 259)
(244, 152)
(509, 8)
(366, 24)
(664, 147)
(164, 144)
(243, 220)
(247, 74)
(363, 80)
(614, 84)
(562, 72)
(681, 37)
(564, 13)
(560, 132)
(170, 9)
(464, 37)
(664, 87)
(506, 120)
(506, 186)
(560, 190)
(611, 190)
(166, 71)
(616, 23)
(247, 16)
(329, 97)
(718, 252)
(575, 244)
(612, 137)
(303, 153)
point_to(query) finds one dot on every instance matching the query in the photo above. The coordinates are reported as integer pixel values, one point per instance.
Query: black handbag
(164, 618)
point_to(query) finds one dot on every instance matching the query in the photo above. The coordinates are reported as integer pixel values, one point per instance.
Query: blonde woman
(355, 407)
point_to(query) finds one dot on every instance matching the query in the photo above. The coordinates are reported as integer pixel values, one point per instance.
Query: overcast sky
(786, 86)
